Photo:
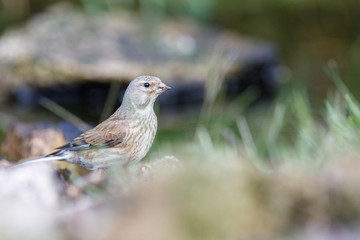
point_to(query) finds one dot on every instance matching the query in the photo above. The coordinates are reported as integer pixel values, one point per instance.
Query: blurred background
(267, 87)
(80, 48)
(285, 42)
(306, 33)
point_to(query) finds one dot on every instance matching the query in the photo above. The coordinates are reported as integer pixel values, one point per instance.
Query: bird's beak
(162, 87)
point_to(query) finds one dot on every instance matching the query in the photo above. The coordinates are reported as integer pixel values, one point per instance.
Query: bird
(125, 137)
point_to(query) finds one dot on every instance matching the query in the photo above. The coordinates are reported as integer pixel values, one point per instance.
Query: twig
(110, 100)
(64, 114)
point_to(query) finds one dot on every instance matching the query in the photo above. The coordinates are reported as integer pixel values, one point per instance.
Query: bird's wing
(109, 133)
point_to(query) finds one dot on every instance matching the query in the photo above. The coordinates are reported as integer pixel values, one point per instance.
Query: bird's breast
(140, 136)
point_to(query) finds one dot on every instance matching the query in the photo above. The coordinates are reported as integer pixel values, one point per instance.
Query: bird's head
(143, 91)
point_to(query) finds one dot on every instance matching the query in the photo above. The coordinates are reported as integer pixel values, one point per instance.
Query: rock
(29, 197)
(31, 140)
(35, 184)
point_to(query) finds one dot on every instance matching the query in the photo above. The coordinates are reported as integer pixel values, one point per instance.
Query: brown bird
(126, 136)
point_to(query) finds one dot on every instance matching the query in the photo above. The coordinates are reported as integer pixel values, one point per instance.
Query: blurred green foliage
(287, 130)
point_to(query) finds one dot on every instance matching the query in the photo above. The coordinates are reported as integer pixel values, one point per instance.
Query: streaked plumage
(126, 136)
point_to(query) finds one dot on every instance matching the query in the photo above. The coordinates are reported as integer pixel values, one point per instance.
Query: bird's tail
(47, 158)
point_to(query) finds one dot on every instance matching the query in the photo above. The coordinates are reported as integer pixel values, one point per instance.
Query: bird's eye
(146, 85)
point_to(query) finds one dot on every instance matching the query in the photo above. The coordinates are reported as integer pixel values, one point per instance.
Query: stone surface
(31, 140)
(29, 197)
